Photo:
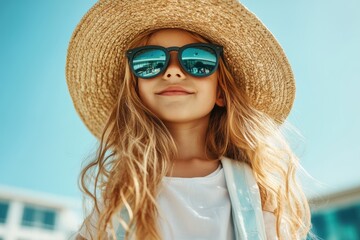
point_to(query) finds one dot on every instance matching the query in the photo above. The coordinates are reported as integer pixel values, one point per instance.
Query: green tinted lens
(148, 63)
(199, 61)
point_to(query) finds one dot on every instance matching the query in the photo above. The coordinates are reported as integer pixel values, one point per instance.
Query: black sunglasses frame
(132, 52)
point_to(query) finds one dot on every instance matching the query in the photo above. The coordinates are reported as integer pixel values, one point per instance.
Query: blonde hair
(136, 150)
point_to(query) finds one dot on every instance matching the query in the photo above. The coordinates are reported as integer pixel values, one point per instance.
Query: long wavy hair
(136, 150)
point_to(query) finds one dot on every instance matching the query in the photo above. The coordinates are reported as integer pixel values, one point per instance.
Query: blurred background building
(337, 216)
(27, 215)
(42, 137)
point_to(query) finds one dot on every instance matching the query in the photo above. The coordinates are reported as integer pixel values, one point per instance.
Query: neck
(192, 159)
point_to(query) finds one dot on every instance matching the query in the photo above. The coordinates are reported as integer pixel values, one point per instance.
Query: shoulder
(79, 237)
(270, 225)
(238, 170)
(228, 162)
(88, 229)
(234, 167)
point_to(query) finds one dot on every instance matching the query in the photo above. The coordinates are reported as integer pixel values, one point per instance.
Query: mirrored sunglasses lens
(199, 61)
(148, 62)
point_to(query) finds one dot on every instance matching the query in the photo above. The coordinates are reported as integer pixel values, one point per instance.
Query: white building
(28, 215)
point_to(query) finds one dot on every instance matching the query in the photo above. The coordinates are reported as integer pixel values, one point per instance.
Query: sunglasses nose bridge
(173, 68)
(173, 58)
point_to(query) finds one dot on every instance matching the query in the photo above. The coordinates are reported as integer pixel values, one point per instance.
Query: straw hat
(98, 44)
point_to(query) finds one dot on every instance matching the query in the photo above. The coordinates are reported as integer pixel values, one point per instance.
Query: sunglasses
(196, 59)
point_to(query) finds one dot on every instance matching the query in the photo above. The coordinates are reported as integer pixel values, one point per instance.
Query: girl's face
(175, 96)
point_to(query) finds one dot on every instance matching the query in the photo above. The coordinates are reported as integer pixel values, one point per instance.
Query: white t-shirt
(197, 208)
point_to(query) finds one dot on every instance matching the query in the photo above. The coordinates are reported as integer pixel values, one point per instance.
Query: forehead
(171, 37)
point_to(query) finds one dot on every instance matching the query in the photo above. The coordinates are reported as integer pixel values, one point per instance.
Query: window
(340, 223)
(349, 215)
(320, 226)
(4, 207)
(39, 217)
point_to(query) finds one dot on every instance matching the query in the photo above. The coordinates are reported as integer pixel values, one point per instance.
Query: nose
(174, 70)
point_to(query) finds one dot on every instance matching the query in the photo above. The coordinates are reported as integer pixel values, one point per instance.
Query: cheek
(210, 88)
(142, 86)
(142, 93)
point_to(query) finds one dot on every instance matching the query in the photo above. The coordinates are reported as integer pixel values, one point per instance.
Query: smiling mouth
(174, 93)
(175, 90)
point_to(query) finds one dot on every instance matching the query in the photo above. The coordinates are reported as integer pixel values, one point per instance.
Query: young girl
(187, 99)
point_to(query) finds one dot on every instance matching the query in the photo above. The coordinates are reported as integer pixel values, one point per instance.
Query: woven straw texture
(97, 47)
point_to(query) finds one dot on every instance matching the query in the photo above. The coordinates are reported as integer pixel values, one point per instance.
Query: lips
(174, 90)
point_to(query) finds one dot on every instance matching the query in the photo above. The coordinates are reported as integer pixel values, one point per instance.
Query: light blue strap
(245, 200)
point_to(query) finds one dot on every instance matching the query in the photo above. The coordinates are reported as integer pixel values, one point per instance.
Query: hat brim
(97, 48)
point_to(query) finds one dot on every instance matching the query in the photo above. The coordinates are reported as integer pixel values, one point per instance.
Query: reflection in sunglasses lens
(149, 62)
(199, 61)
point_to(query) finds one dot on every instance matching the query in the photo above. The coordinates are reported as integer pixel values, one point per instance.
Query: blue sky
(43, 142)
